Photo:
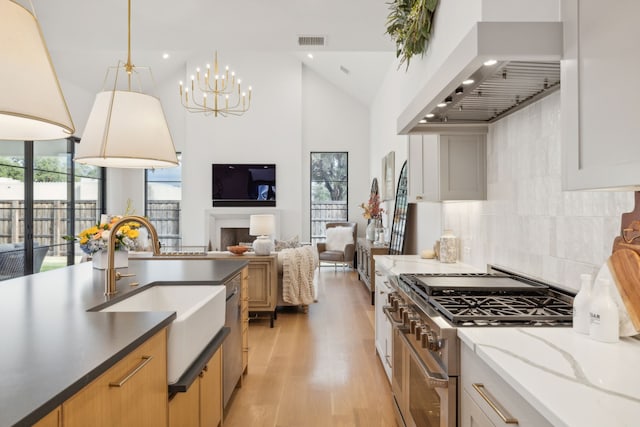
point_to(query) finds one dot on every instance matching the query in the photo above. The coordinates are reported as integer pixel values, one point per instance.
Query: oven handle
(436, 382)
(394, 323)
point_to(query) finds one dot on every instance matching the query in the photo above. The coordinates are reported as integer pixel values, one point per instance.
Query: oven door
(430, 394)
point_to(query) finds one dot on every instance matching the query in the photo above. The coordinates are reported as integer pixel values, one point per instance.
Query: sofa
(12, 257)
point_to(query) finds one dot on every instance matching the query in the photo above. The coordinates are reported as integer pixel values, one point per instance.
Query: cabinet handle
(502, 413)
(145, 360)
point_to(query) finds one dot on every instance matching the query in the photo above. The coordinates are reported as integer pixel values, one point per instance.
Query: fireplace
(231, 236)
(218, 219)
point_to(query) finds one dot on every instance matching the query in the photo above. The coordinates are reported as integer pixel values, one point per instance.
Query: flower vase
(100, 259)
(374, 223)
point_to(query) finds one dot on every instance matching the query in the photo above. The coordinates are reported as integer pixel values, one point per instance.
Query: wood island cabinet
(201, 404)
(365, 250)
(244, 306)
(52, 419)
(131, 393)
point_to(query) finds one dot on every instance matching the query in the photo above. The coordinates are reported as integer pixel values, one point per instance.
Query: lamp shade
(262, 225)
(32, 106)
(126, 130)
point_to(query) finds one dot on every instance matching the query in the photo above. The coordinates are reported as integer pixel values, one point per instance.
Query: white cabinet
(447, 167)
(382, 324)
(600, 125)
(487, 400)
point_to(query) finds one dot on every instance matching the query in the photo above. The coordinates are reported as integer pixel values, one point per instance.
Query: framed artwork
(388, 176)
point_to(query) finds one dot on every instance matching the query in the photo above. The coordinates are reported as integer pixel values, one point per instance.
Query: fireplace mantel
(217, 218)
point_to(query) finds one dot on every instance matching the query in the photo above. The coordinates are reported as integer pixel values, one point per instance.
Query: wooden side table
(366, 264)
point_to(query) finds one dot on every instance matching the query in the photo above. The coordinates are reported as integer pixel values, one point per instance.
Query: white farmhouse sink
(200, 316)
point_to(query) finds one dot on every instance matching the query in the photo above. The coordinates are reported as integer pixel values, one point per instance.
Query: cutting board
(624, 265)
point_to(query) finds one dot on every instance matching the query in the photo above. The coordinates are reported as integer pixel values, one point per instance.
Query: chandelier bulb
(239, 81)
(193, 77)
(197, 69)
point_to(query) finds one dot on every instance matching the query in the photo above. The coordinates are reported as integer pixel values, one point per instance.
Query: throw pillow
(338, 238)
(286, 244)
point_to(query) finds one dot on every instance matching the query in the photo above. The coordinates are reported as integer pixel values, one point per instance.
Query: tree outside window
(329, 191)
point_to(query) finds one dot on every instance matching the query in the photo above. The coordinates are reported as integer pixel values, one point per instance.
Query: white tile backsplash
(527, 222)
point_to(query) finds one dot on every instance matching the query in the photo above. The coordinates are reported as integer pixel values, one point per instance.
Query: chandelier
(220, 94)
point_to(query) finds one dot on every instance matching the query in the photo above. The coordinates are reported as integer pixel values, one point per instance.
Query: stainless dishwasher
(232, 346)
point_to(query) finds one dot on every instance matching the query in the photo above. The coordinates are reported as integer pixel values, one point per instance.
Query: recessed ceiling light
(490, 62)
(165, 56)
(468, 82)
(459, 90)
(442, 104)
(430, 116)
(310, 55)
(448, 100)
(423, 121)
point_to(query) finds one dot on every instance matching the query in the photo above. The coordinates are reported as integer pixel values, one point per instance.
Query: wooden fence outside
(50, 221)
(322, 213)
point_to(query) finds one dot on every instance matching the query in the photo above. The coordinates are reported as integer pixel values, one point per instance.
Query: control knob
(427, 338)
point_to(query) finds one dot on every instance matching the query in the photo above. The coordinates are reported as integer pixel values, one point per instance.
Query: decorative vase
(100, 259)
(374, 224)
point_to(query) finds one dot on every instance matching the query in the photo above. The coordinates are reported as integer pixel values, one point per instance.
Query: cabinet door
(244, 316)
(471, 414)
(211, 392)
(259, 285)
(599, 69)
(131, 393)
(52, 419)
(463, 167)
(447, 167)
(184, 408)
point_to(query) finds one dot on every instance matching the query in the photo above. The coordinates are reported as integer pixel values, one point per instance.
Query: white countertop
(570, 379)
(407, 264)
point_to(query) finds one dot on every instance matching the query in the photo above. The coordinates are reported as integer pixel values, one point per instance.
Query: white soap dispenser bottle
(603, 314)
(581, 305)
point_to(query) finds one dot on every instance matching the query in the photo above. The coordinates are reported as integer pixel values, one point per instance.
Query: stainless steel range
(426, 309)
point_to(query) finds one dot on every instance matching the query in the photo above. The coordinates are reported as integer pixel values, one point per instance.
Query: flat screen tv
(242, 185)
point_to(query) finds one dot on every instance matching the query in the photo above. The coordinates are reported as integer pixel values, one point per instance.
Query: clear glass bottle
(581, 304)
(448, 247)
(603, 313)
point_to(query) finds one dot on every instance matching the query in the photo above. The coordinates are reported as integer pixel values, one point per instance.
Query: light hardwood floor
(316, 369)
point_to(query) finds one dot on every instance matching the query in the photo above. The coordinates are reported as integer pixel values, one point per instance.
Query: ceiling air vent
(311, 40)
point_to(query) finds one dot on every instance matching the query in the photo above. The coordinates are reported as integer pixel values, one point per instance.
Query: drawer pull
(145, 360)
(502, 413)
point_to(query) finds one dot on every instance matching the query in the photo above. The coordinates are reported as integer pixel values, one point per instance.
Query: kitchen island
(53, 346)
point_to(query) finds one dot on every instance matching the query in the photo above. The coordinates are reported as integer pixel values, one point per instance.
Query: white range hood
(527, 68)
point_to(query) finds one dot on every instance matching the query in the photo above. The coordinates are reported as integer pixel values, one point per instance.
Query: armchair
(340, 244)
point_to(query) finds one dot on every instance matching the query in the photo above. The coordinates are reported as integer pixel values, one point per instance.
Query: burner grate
(503, 308)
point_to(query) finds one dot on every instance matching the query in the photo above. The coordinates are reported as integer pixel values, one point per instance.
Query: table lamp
(262, 226)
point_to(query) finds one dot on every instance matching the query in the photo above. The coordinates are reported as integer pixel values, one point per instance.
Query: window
(43, 199)
(329, 185)
(163, 194)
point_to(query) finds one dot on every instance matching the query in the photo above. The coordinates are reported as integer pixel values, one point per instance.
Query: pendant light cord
(129, 66)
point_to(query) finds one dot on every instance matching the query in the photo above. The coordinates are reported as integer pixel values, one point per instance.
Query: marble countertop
(570, 379)
(407, 264)
(52, 345)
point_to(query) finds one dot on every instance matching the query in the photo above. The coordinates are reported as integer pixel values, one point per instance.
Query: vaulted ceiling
(87, 36)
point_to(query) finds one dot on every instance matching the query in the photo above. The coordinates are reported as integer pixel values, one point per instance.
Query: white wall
(294, 111)
(334, 121)
(527, 223)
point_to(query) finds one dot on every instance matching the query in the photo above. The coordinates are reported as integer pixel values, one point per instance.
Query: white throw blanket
(298, 269)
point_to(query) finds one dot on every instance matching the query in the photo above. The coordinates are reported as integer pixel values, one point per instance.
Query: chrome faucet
(112, 275)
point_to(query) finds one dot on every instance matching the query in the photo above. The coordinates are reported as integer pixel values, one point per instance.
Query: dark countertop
(52, 346)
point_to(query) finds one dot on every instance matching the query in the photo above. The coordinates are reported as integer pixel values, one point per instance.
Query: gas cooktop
(483, 299)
